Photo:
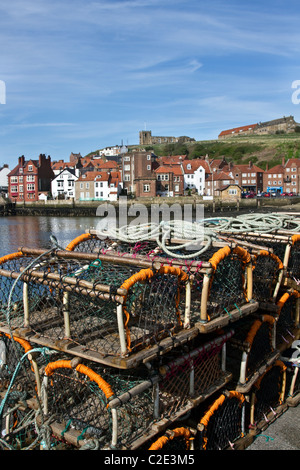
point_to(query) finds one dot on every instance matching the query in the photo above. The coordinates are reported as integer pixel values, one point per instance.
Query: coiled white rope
(199, 235)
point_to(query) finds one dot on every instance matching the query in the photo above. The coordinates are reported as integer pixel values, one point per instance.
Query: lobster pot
(17, 385)
(179, 439)
(251, 348)
(293, 261)
(105, 406)
(291, 359)
(91, 243)
(223, 423)
(267, 395)
(11, 289)
(287, 325)
(112, 309)
(267, 276)
(11, 353)
(223, 293)
(189, 379)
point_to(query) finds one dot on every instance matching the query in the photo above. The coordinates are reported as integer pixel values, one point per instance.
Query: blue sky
(81, 75)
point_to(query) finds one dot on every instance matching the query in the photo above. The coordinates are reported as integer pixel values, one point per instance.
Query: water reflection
(34, 232)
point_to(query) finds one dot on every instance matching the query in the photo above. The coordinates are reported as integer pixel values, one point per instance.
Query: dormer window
(30, 168)
(189, 167)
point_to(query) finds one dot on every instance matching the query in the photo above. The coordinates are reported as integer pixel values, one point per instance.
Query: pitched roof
(275, 169)
(292, 162)
(237, 130)
(195, 164)
(222, 175)
(93, 175)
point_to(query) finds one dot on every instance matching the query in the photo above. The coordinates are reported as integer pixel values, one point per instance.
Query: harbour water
(35, 232)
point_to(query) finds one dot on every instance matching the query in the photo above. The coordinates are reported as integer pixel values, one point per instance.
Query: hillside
(257, 148)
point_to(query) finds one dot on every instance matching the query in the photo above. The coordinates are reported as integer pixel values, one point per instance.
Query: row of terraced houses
(144, 174)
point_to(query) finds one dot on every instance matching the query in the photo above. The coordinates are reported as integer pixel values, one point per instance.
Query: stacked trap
(125, 337)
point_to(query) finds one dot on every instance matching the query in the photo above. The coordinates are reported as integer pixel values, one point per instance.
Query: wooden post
(66, 314)
(25, 304)
(122, 336)
(204, 297)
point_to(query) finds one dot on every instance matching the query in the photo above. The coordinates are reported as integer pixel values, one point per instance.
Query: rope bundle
(195, 233)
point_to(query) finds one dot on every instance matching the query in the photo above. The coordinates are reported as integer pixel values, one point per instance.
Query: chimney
(283, 162)
(250, 164)
(21, 161)
(267, 166)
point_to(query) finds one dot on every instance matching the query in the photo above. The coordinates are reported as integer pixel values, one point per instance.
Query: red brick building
(138, 173)
(30, 178)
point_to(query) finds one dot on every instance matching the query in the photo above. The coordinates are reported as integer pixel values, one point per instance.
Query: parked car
(291, 194)
(285, 194)
(250, 196)
(266, 194)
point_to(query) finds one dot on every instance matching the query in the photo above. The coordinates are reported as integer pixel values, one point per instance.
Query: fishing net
(223, 423)
(268, 393)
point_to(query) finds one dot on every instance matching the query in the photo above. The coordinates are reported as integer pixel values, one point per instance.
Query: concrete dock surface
(282, 434)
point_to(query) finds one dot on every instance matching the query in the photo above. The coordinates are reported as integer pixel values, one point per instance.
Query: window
(294, 177)
(82, 195)
(126, 177)
(81, 186)
(146, 188)
(20, 179)
(21, 188)
(176, 188)
(30, 168)
(126, 167)
(14, 189)
(126, 159)
(30, 178)
(87, 185)
(232, 191)
(244, 174)
(148, 167)
(253, 174)
(21, 170)
(294, 169)
(14, 179)
(30, 187)
(148, 157)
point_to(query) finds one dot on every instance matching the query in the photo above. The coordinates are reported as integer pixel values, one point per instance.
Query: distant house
(29, 178)
(98, 186)
(292, 176)
(169, 180)
(215, 182)
(4, 171)
(194, 174)
(63, 185)
(232, 192)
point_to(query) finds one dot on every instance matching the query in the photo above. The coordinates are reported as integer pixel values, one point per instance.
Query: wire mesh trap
(287, 325)
(122, 409)
(267, 276)
(251, 349)
(221, 276)
(110, 308)
(223, 423)
(268, 394)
